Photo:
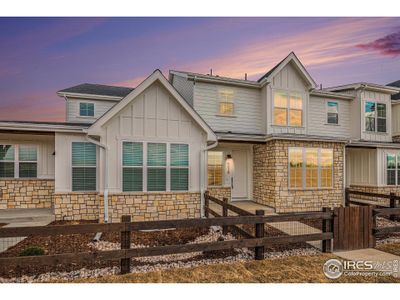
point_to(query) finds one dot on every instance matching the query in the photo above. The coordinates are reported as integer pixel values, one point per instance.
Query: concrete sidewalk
(370, 254)
(21, 218)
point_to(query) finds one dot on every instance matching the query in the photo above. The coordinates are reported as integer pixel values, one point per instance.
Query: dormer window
(226, 104)
(86, 109)
(375, 116)
(288, 108)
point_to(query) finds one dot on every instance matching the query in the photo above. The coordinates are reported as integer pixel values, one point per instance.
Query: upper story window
(332, 112)
(214, 168)
(18, 161)
(83, 166)
(375, 116)
(226, 104)
(86, 109)
(310, 168)
(288, 108)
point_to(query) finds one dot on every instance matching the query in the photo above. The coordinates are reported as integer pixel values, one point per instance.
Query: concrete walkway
(20, 218)
(370, 254)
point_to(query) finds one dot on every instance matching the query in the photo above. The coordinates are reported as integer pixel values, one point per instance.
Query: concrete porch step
(26, 215)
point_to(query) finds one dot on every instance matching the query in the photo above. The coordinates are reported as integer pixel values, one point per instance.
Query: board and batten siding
(184, 87)
(288, 79)
(247, 116)
(318, 123)
(45, 150)
(380, 98)
(153, 116)
(100, 107)
(361, 166)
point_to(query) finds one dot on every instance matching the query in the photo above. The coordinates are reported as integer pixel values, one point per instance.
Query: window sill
(288, 126)
(226, 116)
(375, 132)
(86, 117)
(332, 124)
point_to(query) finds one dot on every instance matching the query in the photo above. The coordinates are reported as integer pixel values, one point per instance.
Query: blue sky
(39, 56)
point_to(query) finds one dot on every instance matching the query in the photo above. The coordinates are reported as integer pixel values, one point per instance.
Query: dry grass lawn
(296, 269)
(390, 248)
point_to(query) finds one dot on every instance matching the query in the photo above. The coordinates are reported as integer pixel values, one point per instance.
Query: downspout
(202, 175)
(105, 148)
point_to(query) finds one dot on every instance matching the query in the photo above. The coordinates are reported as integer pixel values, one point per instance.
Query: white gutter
(202, 175)
(105, 148)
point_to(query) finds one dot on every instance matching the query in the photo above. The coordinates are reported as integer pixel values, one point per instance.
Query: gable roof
(365, 85)
(97, 89)
(299, 66)
(395, 84)
(156, 76)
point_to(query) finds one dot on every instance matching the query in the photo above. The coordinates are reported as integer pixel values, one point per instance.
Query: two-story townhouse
(152, 151)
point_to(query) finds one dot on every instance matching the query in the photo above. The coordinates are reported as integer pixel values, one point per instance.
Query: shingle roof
(98, 89)
(272, 70)
(395, 84)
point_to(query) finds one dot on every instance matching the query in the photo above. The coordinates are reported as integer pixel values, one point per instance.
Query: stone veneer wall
(396, 139)
(375, 189)
(220, 192)
(26, 193)
(141, 206)
(270, 178)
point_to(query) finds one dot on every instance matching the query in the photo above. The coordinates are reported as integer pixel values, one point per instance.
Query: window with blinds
(83, 166)
(156, 167)
(132, 167)
(27, 161)
(179, 160)
(7, 157)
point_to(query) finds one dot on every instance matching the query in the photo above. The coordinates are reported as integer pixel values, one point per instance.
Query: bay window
(288, 109)
(83, 166)
(310, 168)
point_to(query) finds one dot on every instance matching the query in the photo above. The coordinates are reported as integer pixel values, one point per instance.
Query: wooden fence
(128, 228)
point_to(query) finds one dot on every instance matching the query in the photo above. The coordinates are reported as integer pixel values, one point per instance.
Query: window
(226, 105)
(27, 161)
(156, 166)
(86, 109)
(310, 168)
(179, 167)
(83, 166)
(393, 169)
(214, 168)
(288, 108)
(7, 157)
(332, 112)
(375, 116)
(132, 167)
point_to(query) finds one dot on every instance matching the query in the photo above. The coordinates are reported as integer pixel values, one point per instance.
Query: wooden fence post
(206, 204)
(373, 226)
(392, 205)
(259, 227)
(126, 244)
(225, 214)
(326, 227)
(346, 197)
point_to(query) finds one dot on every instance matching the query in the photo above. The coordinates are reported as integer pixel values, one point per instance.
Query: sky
(39, 56)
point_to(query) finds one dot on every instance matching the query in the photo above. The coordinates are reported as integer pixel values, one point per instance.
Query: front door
(240, 178)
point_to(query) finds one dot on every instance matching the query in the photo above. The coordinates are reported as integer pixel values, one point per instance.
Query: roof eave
(89, 96)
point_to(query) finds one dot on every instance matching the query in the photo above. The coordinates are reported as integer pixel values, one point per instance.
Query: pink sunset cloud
(388, 45)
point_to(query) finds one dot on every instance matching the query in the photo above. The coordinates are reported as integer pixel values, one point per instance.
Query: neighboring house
(152, 151)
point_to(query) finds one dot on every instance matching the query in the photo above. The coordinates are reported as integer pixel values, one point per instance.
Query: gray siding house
(153, 150)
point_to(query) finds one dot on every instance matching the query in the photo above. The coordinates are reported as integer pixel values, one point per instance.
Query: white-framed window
(215, 168)
(86, 109)
(288, 108)
(332, 112)
(310, 168)
(226, 105)
(84, 166)
(18, 161)
(393, 168)
(155, 167)
(375, 116)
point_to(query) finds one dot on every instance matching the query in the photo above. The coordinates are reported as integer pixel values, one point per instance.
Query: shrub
(32, 251)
